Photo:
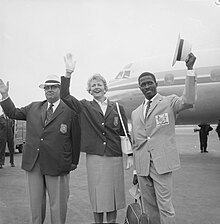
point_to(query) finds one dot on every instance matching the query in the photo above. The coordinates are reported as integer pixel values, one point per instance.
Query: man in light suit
(51, 151)
(155, 151)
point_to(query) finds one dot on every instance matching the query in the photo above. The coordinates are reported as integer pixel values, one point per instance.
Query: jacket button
(103, 124)
(104, 143)
(37, 149)
(148, 138)
(41, 139)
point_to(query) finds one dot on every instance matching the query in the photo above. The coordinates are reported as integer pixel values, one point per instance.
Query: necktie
(49, 113)
(147, 108)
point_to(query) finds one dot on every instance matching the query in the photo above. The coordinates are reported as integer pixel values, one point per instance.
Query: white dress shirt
(103, 105)
(146, 102)
(55, 105)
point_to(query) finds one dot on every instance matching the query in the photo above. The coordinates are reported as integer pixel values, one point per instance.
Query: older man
(51, 151)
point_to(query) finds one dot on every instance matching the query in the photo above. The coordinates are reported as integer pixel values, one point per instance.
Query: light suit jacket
(153, 136)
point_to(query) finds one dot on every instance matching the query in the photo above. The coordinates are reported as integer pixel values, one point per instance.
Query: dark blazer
(6, 126)
(204, 131)
(3, 127)
(57, 145)
(100, 133)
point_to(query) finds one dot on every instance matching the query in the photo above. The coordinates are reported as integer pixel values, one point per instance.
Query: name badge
(162, 119)
(63, 128)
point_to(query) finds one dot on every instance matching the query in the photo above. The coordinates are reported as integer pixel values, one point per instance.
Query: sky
(102, 35)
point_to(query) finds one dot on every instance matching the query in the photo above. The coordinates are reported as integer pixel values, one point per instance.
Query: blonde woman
(100, 140)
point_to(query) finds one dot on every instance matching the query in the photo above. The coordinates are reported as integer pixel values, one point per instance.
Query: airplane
(125, 90)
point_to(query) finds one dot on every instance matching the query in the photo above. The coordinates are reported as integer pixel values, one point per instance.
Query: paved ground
(196, 187)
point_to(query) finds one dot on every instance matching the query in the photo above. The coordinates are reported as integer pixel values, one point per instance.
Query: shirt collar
(55, 104)
(105, 102)
(152, 99)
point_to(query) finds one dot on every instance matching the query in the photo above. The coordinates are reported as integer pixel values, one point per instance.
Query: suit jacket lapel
(57, 112)
(154, 104)
(141, 112)
(97, 107)
(110, 107)
(44, 112)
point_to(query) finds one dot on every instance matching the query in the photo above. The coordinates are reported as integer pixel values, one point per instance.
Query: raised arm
(4, 88)
(190, 83)
(8, 106)
(189, 93)
(65, 80)
(190, 61)
(71, 101)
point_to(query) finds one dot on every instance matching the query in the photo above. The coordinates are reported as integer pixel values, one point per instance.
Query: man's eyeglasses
(52, 87)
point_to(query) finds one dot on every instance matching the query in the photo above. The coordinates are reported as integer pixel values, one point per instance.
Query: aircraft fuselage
(206, 108)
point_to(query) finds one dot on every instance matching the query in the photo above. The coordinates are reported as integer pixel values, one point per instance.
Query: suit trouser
(2, 150)
(57, 188)
(10, 141)
(156, 190)
(203, 143)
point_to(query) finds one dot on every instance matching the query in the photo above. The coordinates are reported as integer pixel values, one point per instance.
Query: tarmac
(196, 195)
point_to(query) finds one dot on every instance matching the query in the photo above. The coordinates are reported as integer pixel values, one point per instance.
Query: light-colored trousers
(57, 188)
(156, 191)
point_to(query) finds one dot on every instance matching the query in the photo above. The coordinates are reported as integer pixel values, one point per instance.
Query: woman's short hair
(96, 77)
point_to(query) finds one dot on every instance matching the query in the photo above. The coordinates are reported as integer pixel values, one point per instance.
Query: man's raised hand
(190, 61)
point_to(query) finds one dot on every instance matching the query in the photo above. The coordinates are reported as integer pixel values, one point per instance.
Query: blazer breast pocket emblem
(115, 121)
(63, 128)
(162, 119)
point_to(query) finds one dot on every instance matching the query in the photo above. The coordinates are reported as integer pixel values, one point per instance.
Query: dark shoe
(201, 151)
(12, 165)
(1, 166)
(206, 151)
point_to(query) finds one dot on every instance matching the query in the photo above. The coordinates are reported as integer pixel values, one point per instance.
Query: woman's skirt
(105, 182)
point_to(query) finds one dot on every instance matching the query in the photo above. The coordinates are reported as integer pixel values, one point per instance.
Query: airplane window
(128, 66)
(215, 75)
(126, 74)
(119, 76)
(169, 79)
